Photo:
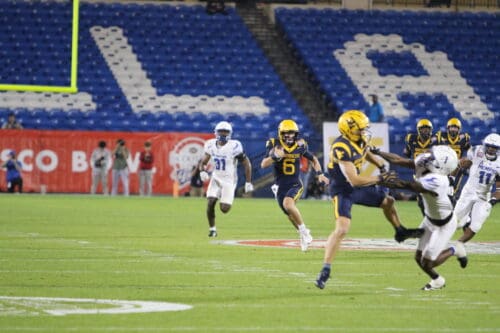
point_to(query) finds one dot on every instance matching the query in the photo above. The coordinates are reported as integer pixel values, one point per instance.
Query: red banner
(59, 161)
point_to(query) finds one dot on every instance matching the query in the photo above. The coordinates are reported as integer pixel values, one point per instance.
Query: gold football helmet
(288, 132)
(424, 128)
(454, 122)
(354, 125)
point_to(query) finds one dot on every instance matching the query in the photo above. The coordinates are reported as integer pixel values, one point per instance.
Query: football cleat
(305, 239)
(463, 261)
(212, 233)
(435, 284)
(323, 276)
(402, 234)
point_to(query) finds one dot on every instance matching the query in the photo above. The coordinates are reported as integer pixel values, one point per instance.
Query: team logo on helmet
(354, 125)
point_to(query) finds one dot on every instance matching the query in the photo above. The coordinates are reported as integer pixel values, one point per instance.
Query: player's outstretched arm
(370, 157)
(414, 186)
(394, 158)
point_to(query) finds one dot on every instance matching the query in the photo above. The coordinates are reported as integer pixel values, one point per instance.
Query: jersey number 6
(289, 166)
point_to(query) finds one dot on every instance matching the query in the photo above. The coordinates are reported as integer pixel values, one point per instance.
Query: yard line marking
(370, 244)
(260, 328)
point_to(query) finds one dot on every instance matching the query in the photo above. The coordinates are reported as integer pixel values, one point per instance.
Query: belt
(442, 222)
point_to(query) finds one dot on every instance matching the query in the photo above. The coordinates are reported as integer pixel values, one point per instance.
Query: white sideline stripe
(260, 328)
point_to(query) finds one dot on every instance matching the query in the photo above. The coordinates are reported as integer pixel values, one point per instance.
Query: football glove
(277, 154)
(248, 187)
(387, 179)
(204, 176)
(493, 201)
(382, 169)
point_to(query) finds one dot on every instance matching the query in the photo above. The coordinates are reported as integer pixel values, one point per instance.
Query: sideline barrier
(59, 161)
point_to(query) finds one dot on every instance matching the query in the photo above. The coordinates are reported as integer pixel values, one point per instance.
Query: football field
(77, 263)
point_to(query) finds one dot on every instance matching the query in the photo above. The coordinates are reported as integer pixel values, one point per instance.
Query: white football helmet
(220, 127)
(445, 160)
(491, 145)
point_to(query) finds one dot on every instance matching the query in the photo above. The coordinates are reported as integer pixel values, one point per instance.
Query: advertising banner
(380, 139)
(59, 161)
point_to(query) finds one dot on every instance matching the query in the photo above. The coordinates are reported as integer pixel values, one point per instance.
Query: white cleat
(435, 284)
(305, 240)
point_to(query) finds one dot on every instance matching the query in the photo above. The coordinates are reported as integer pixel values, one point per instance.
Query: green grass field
(157, 249)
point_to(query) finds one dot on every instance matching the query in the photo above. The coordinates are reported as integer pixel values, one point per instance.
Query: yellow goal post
(74, 63)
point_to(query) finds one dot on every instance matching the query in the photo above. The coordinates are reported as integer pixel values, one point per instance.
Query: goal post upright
(72, 88)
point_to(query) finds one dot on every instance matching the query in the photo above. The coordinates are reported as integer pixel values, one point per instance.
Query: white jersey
(440, 207)
(482, 174)
(224, 159)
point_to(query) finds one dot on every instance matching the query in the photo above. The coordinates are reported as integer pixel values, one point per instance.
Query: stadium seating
(165, 67)
(352, 54)
(142, 67)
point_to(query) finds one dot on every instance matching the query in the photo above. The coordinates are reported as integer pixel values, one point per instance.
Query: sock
(327, 267)
(302, 227)
(452, 250)
(213, 229)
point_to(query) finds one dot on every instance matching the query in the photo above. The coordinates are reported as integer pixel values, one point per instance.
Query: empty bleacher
(142, 67)
(421, 64)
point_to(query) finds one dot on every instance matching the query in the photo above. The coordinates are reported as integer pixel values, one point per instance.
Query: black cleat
(323, 276)
(463, 261)
(403, 234)
(212, 233)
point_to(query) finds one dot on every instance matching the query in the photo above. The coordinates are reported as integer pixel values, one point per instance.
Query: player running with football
(476, 199)
(347, 154)
(225, 154)
(284, 153)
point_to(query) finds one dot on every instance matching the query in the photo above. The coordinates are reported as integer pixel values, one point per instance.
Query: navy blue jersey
(460, 144)
(414, 145)
(286, 171)
(344, 150)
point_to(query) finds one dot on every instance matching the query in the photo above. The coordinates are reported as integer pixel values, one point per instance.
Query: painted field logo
(374, 244)
(58, 306)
